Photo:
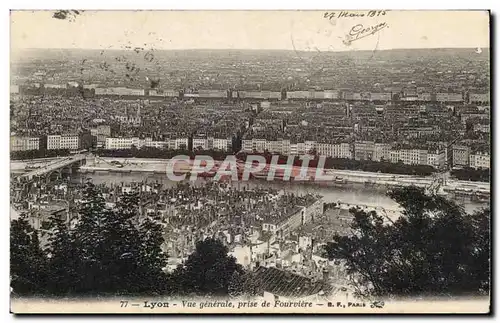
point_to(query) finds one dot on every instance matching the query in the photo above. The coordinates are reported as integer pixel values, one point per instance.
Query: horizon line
(248, 49)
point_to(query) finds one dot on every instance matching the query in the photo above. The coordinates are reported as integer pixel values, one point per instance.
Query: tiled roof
(287, 284)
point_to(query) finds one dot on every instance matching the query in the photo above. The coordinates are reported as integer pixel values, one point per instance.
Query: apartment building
(461, 155)
(121, 143)
(68, 141)
(436, 159)
(485, 128)
(309, 146)
(341, 150)
(325, 150)
(364, 150)
(259, 145)
(480, 160)
(177, 143)
(409, 156)
(272, 146)
(222, 144)
(127, 143)
(101, 132)
(345, 150)
(24, 143)
(200, 143)
(292, 218)
(301, 148)
(449, 97)
(381, 152)
(247, 145)
(285, 147)
(479, 98)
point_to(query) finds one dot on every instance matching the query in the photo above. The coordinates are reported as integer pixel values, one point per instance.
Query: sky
(289, 30)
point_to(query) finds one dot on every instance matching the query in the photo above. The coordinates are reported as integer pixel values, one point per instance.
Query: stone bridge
(55, 169)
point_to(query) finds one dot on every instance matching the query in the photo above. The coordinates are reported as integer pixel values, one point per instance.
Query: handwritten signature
(359, 32)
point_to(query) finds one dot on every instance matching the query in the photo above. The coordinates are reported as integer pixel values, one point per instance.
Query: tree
(89, 237)
(120, 262)
(481, 249)
(435, 247)
(151, 257)
(235, 287)
(471, 174)
(28, 264)
(207, 271)
(40, 153)
(121, 250)
(109, 252)
(62, 258)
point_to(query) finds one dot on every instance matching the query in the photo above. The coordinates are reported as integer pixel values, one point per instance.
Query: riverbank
(352, 193)
(158, 166)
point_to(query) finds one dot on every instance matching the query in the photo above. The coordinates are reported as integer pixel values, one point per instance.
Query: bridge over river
(55, 168)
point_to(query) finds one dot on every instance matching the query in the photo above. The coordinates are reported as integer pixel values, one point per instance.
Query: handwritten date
(347, 14)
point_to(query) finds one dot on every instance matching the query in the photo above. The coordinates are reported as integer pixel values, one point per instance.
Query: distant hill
(82, 53)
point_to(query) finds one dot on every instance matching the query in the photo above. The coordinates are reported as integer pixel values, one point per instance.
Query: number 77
(123, 303)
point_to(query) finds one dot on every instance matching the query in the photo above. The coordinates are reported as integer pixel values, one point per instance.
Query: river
(347, 193)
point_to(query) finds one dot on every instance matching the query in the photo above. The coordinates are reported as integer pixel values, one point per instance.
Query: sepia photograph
(250, 161)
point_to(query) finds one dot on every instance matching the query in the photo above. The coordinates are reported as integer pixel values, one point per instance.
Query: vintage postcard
(326, 161)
